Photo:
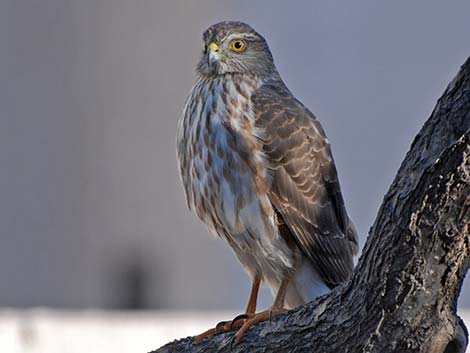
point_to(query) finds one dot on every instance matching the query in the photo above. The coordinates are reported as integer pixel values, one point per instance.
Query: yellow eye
(238, 45)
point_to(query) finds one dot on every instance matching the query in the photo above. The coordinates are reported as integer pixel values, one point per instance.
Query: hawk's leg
(239, 320)
(250, 308)
(276, 308)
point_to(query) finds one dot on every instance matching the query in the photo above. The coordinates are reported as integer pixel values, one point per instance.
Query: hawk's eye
(238, 45)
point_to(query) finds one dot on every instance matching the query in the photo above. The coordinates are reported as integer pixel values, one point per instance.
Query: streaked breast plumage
(225, 175)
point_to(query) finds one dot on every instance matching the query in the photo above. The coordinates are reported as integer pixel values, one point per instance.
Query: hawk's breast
(224, 170)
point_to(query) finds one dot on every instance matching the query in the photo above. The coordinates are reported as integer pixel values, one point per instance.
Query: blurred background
(92, 213)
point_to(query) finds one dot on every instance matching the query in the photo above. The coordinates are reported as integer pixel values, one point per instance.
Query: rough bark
(403, 294)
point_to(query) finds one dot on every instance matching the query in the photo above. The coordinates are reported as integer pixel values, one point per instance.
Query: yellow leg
(252, 301)
(276, 308)
(240, 319)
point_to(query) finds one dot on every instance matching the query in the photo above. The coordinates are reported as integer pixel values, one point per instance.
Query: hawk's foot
(266, 315)
(224, 326)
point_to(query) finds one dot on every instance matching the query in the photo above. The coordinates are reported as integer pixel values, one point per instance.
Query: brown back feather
(305, 189)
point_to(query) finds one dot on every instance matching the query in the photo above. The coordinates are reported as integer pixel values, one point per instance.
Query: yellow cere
(214, 47)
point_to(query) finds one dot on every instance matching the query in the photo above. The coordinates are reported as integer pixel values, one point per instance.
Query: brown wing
(304, 187)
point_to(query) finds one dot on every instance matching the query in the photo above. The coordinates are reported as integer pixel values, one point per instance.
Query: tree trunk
(403, 294)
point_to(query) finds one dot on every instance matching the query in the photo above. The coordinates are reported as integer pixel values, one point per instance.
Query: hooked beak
(212, 53)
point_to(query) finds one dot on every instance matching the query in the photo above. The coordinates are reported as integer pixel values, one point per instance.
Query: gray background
(92, 213)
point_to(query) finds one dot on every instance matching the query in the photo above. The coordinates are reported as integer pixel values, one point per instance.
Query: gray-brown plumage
(258, 170)
(305, 189)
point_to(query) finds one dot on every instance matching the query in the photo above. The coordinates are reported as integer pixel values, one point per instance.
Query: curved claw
(220, 327)
(238, 318)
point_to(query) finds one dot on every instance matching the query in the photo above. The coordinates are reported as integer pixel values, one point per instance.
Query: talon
(221, 327)
(238, 318)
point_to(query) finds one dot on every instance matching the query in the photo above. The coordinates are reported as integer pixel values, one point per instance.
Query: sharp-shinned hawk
(258, 171)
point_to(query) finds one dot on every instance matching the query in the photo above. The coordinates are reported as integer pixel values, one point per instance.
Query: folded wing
(304, 187)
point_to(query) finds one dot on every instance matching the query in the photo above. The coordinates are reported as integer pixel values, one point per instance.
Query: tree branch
(403, 294)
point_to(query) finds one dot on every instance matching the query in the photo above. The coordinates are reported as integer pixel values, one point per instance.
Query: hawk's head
(234, 47)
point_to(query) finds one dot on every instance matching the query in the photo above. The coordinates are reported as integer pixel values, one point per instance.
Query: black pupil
(237, 45)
